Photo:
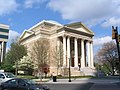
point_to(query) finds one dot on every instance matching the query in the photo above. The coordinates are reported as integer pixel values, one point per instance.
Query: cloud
(12, 35)
(114, 21)
(7, 6)
(31, 3)
(7, 48)
(101, 40)
(89, 11)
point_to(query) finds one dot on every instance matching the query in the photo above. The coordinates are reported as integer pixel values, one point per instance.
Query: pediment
(26, 34)
(80, 27)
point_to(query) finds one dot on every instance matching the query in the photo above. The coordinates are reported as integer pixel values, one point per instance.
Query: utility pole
(116, 36)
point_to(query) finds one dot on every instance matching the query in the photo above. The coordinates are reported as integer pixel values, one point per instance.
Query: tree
(14, 54)
(58, 56)
(108, 55)
(26, 65)
(40, 51)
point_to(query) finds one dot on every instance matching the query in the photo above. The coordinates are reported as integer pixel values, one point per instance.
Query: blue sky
(98, 15)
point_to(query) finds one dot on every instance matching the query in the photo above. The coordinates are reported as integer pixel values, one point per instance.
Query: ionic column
(68, 50)
(82, 54)
(64, 50)
(88, 54)
(76, 52)
(91, 49)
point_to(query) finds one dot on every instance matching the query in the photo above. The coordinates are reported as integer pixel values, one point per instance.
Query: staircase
(89, 71)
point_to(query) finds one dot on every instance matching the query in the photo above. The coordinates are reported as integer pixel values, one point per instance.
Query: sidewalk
(82, 80)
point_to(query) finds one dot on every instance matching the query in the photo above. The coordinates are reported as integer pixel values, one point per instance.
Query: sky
(97, 15)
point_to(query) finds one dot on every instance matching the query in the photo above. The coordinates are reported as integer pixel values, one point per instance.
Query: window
(2, 76)
(13, 82)
(21, 83)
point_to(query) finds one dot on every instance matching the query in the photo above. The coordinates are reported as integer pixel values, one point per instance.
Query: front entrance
(72, 62)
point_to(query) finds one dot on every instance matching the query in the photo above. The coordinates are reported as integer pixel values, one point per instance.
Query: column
(82, 54)
(91, 49)
(76, 52)
(88, 54)
(3, 50)
(64, 50)
(68, 50)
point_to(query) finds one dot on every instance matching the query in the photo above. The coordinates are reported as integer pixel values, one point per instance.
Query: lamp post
(116, 36)
(69, 70)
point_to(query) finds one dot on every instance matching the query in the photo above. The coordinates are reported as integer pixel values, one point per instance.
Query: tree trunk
(113, 72)
(16, 68)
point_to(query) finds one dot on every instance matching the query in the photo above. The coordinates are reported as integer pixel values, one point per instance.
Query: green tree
(26, 65)
(14, 54)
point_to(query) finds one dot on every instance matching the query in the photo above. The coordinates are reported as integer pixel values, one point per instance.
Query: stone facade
(74, 42)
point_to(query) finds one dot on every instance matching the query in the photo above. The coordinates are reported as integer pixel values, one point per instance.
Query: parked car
(22, 84)
(4, 76)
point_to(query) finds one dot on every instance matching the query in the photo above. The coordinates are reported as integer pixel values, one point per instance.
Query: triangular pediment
(26, 34)
(80, 27)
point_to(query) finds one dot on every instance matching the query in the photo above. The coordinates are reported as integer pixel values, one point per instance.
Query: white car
(4, 76)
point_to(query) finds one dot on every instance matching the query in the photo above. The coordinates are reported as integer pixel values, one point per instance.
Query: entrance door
(72, 62)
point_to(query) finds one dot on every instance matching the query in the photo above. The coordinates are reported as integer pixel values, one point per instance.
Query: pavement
(87, 84)
(81, 80)
(83, 84)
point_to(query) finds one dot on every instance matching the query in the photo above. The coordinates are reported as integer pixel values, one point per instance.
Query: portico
(78, 49)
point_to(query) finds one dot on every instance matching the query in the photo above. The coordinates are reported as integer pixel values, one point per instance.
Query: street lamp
(69, 70)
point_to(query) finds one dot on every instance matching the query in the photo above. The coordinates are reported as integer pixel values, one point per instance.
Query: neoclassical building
(75, 39)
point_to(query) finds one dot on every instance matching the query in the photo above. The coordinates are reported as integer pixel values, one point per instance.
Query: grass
(26, 76)
(58, 77)
(62, 77)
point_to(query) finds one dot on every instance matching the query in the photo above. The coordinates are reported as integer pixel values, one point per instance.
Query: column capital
(76, 38)
(89, 41)
(64, 35)
(68, 36)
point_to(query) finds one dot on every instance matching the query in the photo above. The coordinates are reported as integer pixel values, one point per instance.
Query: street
(108, 86)
(70, 86)
(84, 86)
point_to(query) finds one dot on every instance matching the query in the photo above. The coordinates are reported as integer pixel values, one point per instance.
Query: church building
(75, 40)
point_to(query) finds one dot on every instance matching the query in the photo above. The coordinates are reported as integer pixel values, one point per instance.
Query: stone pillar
(3, 50)
(82, 54)
(91, 49)
(88, 54)
(64, 50)
(76, 52)
(68, 50)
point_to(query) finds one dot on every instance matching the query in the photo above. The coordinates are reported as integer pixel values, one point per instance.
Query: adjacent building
(4, 33)
(75, 39)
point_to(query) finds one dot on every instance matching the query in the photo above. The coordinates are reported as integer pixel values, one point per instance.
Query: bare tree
(57, 54)
(108, 54)
(40, 54)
